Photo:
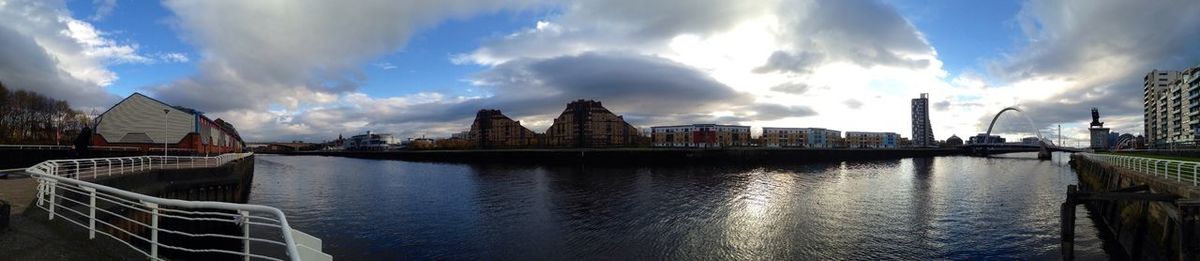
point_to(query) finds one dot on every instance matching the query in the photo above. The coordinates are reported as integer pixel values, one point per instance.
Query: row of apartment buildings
(1171, 102)
(716, 136)
(583, 124)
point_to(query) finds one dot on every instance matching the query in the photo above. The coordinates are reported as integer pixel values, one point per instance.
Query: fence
(151, 225)
(1177, 170)
(65, 147)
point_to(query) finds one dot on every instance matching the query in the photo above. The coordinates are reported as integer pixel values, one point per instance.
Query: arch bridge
(1043, 146)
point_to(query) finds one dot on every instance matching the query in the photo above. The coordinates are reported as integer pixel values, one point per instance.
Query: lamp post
(165, 112)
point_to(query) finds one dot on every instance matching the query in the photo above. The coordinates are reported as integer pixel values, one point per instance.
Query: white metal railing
(137, 220)
(1177, 170)
(65, 147)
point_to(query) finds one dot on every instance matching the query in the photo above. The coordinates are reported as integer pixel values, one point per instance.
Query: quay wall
(1144, 230)
(642, 155)
(228, 183)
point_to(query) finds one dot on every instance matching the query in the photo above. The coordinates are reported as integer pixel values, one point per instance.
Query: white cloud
(385, 66)
(173, 57)
(103, 9)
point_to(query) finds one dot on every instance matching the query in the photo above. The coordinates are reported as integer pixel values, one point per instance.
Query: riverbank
(643, 155)
(1146, 230)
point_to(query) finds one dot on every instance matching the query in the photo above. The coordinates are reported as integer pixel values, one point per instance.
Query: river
(1003, 207)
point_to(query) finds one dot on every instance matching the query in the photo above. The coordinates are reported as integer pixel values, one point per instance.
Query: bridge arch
(1022, 113)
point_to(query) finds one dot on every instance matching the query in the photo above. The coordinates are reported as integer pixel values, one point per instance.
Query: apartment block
(492, 129)
(873, 140)
(587, 124)
(700, 136)
(1171, 104)
(799, 137)
(922, 129)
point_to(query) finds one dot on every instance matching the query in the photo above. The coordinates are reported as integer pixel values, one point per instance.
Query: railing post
(91, 212)
(245, 233)
(51, 183)
(153, 229)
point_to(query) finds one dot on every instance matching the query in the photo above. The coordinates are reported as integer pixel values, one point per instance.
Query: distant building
(922, 129)
(700, 136)
(372, 142)
(140, 121)
(954, 141)
(1030, 141)
(799, 137)
(874, 140)
(466, 135)
(587, 124)
(492, 129)
(982, 138)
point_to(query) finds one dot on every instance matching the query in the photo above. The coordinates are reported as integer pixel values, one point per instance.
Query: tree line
(27, 117)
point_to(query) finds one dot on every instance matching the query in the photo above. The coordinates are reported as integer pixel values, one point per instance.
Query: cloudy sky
(294, 69)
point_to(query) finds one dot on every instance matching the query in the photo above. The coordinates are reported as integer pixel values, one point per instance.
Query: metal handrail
(65, 147)
(36, 147)
(62, 187)
(1186, 172)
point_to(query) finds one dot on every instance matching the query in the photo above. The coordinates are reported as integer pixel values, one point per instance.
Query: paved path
(31, 236)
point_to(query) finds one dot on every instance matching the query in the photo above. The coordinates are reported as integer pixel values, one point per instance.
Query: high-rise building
(586, 124)
(922, 130)
(1171, 101)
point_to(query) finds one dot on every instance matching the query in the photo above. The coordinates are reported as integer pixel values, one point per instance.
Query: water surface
(923, 208)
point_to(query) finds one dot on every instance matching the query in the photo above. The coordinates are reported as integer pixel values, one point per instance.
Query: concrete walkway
(32, 236)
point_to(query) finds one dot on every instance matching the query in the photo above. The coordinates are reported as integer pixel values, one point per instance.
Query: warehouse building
(146, 123)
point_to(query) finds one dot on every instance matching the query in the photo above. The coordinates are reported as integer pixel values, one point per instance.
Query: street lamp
(165, 112)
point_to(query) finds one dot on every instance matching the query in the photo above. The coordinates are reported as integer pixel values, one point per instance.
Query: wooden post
(1068, 225)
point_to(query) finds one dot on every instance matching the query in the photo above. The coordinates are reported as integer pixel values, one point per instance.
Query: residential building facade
(491, 129)
(873, 140)
(922, 129)
(587, 124)
(700, 136)
(799, 137)
(1167, 108)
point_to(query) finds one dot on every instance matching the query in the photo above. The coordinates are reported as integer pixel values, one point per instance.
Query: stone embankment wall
(1145, 230)
(229, 183)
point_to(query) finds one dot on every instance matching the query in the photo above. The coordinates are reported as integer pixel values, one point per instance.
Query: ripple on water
(938, 208)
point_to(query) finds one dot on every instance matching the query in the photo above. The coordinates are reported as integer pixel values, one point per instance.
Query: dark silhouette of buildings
(492, 129)
(587, 124)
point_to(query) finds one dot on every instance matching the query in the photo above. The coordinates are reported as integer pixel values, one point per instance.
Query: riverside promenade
(152, 207)
(30, 236)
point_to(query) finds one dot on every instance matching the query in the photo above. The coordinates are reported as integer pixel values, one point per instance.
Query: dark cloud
(941, 106)
(852, 103)
(623, 81)
(257, 54)
(614, 25)
(791, 88)
(25, 65)
(767, 112)
(801, 62)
